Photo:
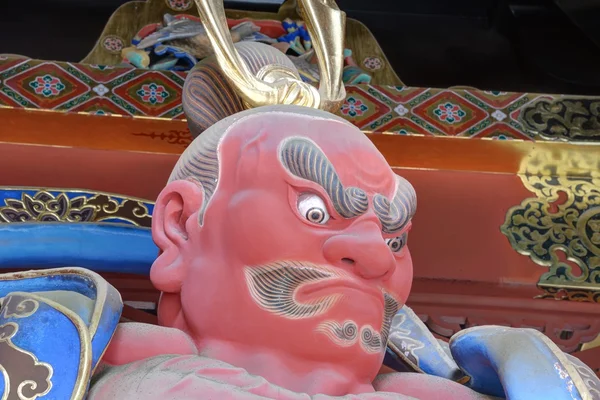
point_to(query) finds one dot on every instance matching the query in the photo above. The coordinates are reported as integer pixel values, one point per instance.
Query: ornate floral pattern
(353, 107)
(449, 113)
(100, 90)
(401, 110)
(499, 115)
(560, 227)
(99, 106)
(47, 85)
(22, 370)
(501, 137)
(495, 93)
(373, 63)
(113, 44)
(501, 131)
(17, 306)
(150, 93)
(371, 108)
(179, 5)
(101, 67)
(564, 119)
(153, 93)
(45, 206)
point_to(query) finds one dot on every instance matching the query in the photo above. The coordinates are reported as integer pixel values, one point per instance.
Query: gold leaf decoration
(71, 206)
(560, 227)
(564, 118)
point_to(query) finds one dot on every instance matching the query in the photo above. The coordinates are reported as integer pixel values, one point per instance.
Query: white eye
(313, 208)
(396, 244)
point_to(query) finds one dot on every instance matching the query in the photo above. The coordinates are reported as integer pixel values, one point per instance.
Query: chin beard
(343, 335)
(392, 306)
(372, 341)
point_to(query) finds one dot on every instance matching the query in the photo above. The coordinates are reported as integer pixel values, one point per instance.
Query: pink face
(302, 247)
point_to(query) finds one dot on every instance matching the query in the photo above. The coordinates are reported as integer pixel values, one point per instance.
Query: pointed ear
(177, 203)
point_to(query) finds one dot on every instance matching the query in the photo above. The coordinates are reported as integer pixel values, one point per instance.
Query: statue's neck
(286, 370)
(282, 369)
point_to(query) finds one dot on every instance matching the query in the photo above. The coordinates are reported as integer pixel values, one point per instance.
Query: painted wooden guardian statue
(283, 265)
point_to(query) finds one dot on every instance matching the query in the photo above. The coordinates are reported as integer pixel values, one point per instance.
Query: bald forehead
(319, 148)
(358, 164)
(356, 160)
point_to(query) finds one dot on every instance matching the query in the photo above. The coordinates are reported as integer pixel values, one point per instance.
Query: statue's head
(284, 228)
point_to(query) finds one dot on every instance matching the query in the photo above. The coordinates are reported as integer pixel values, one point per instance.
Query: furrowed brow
(304, 159)
(397, 214)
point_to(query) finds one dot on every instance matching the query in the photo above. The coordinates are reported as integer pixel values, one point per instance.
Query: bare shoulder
(425, 387)
(134, 341)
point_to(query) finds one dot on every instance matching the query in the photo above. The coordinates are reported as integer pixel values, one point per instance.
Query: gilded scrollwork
(564, 118)
(558, 293)
(560, 227)
(28, 378)
(68, 206)
(16, 306)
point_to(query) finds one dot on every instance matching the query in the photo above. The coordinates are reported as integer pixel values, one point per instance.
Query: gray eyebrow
(395, 215)
(304, 159)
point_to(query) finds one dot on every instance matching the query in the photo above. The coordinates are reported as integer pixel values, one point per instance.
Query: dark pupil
(395, 244)
(315, 215)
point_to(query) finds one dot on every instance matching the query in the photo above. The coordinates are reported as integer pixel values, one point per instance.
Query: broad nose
(363, 249)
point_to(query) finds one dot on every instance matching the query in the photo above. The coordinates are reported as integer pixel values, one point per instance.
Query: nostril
(348, 261)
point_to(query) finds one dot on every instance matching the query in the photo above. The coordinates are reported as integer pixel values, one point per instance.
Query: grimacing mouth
(314, 288)
(275, 286)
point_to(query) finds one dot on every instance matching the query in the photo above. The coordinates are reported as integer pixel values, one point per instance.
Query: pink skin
(201, 268)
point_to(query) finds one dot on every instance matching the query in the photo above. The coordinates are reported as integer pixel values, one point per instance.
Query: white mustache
(273, 287)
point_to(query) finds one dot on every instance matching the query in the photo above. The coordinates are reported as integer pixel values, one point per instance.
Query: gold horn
(279, 85)
(326, 25)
